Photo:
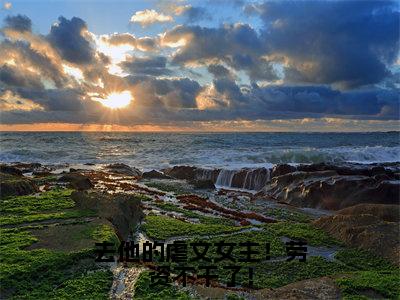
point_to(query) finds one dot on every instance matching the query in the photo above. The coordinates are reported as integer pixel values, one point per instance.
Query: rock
(122, 210)
(155, 175)
(124, 169)
(77, 181)
(181, 172)
(364, 231)
(203, 184)
(280, 170)
(16, 186)
(41, 172)
(348, 169)
(251, 179)
(328, 190)
(206, 174)
(385, 212)
(323, 288)
(27, 167)
(10, 170)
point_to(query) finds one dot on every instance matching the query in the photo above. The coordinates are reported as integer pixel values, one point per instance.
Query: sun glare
(117, 100)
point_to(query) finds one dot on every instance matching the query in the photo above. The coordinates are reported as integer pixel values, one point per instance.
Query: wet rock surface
(329, 190)
(155, 174)
(123, 169)
(77, 181)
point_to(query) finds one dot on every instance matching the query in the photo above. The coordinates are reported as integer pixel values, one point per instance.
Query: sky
(222, 65)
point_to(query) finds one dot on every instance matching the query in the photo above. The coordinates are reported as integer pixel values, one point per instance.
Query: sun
(117, 100)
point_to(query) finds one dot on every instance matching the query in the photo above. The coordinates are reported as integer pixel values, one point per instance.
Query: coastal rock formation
(77, 181)
(252, 179)
(181, 172)
(329, 190)
(319, 288)
(153, 174)
(124, 169)
(10, 170)
(282, 169)
(385, 212)
(122, 210)
(16, 186)
(203, 184)
(366, 231)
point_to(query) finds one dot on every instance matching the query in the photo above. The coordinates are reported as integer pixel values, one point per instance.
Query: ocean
(209, 150)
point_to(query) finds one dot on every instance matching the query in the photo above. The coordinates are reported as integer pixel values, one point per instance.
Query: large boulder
(77, 181)
(181, 172)
(16, 186)
(328, 190)
(364, 231)
(124, 169)
(26, 167)
(122, 210)
(5, 169)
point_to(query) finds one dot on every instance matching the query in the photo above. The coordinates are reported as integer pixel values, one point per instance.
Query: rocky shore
(348, 214)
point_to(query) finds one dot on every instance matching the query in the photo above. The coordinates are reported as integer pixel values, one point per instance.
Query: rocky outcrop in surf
(329, 190)
(251, 179)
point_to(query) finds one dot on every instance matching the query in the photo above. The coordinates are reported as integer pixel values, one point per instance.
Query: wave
(227, 151)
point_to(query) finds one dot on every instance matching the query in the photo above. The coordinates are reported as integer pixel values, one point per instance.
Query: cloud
(237, 45)
(68, 37)
(13, 76)
(345, 43)
(18, 23)
(294, 67)
(219, 71)
(28, 60)
(150, 16)
(164, 94)
(142, 43)
(192, 14)
(155, 66)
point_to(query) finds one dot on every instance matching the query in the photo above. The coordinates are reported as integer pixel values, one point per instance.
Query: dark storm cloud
(67, 37)
(14, 77)
(324, 100)
(345, 43)
(168, 93)
(349, 43)
(55, 99)
(229, 89)
(195, 14)
(236, 45)
(219, 71)
(19, 23)
(208, 43)
(155, 66)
